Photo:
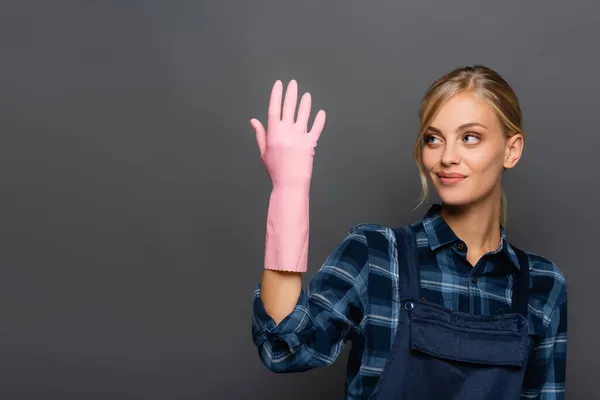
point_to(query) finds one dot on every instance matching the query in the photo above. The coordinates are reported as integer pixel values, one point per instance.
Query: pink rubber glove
(287, 151)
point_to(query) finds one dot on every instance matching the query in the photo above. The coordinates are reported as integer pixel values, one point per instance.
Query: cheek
(488, 168)
(430, 158)
(486, 161)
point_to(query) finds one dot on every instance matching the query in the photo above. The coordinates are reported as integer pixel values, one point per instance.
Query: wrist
(297, 187)
(291, 189)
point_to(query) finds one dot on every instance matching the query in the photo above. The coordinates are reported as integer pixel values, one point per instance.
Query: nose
(450, 156)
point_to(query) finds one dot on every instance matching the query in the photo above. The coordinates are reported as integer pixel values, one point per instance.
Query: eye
(474, 138)
(429, 139)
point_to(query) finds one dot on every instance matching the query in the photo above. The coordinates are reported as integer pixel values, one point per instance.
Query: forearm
(279, 293)
(286, 250)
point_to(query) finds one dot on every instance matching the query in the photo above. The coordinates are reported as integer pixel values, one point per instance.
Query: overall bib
(439, 354)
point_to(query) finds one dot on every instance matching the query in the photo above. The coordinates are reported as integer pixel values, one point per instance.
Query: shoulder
(371, 230)
(379, 243)
(365, 245)
(372, 240)
(360, 242)
(548, 287)
(377, 238)
(380, 237)
(543, 267)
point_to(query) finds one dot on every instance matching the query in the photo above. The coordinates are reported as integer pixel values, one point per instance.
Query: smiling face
(465, 151)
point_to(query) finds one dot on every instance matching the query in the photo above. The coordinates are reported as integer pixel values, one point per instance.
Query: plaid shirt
(351, 298)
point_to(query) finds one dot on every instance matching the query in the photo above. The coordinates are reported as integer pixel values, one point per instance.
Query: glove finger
(290, 101)
(261, 137)
(318, 125)
(275, 104)
(304, 112)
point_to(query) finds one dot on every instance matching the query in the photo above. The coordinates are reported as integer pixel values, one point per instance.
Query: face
(465, 151)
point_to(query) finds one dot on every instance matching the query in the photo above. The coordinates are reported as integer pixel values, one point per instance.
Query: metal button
(409, 306)
(473, 279)
(461, 246)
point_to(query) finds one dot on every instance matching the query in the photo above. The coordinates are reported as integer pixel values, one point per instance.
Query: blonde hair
(486, 84)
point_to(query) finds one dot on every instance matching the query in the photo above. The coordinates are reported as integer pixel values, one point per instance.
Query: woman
(445, 308)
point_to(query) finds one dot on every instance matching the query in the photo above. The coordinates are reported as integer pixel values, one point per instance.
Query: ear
(514, 150)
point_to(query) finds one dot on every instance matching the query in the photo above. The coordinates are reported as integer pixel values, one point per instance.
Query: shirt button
(473, 279)
(461, 246)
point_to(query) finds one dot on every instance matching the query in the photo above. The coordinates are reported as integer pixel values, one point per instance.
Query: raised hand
(287, 147)
(287, 150)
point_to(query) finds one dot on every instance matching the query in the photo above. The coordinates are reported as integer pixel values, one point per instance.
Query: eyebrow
(463, 126)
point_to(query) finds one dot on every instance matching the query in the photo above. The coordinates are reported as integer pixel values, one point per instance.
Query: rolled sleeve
(290, 333)
(325, 314)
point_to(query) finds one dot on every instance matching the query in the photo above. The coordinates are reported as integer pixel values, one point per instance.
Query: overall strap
(520, 296)
(408, 263)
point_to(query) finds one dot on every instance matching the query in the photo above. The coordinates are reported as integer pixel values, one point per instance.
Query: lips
(450, 178)
(450, 175)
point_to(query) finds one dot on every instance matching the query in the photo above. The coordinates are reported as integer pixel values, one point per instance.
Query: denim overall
(439, 354)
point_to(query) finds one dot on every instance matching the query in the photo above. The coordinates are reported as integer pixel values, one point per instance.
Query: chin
(454, 197)
(455, 201)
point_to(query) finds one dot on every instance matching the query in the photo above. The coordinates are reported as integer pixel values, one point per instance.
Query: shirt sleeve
(326, 314)
(546, 371)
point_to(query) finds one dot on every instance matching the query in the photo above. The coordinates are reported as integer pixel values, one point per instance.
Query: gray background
(133, 198)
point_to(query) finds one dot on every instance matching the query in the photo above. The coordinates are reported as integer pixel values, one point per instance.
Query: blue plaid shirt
(351, 298)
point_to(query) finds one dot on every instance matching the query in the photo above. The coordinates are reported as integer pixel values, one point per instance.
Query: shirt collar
(440, 234)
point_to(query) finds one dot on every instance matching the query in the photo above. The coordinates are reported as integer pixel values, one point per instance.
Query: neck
(477, 224)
